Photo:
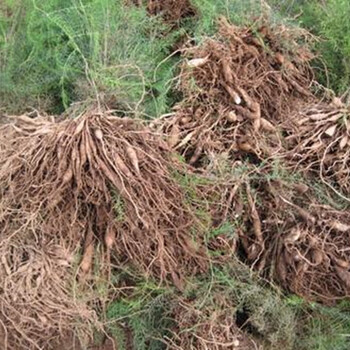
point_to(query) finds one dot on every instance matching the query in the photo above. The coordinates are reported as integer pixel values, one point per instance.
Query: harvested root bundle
(320, 144)
(38, 307)
(288, 236)
(171, 10)
(97, 180)
(237, 89)
(210, 328)
(312, 258)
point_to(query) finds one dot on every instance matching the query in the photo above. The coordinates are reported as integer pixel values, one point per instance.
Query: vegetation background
(59, 53)
(55, 53)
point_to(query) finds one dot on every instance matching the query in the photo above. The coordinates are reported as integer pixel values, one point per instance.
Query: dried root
(237, 90)
(320, 144)
(291, 238)
(209, 328)
(38, 306)
(94, 181)
(240, 93)
(172, 11)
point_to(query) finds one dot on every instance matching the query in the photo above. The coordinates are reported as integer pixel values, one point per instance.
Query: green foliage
(119, 207)
(335, 50)
(237, 11)
(326, 196)
(330, 21)
(323, 327)
(227, 228)
(144, 317)
(278, 321)
(57, 52)
(268, 316)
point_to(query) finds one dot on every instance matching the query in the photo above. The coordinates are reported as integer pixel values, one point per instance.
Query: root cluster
(319, 142)
(237, 89)
(96, 182)
(85, 194)
(210, 328)
(289, 236)
(171, 10)
(249, 119)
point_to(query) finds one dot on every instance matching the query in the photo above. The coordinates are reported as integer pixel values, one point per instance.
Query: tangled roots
(320, 144)
(237, 89)
(37, 303)
(171, 10)
(239, 122)
(96, 181)
(289, 237)
(212, 327)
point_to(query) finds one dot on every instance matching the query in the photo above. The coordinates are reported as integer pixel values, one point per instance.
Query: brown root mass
(240, 119)
(81, 195)
(171, 10)
(209, 328)
(36, 299)
(319, 142)
(287, 235)
(96, 181)
(237, 90)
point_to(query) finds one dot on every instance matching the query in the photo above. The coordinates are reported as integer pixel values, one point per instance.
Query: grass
(329, 21)
(57, 53)
(141, 318)
(54, 53)
(278, 321)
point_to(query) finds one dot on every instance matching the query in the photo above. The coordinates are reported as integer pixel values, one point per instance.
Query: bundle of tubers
(96, 182)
